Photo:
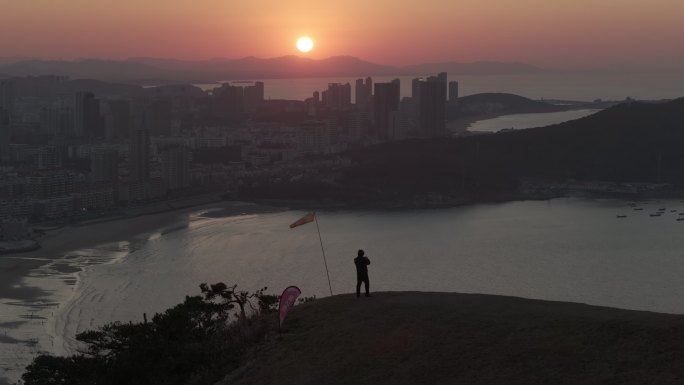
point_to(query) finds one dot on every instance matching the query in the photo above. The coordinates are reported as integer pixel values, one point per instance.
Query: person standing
(362, 262)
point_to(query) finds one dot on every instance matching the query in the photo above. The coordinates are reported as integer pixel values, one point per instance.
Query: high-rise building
(363, 92)
(104, 166)
(158, 117)
(50, 183)
(415, 89)
(48, 158)
(337, 96)
(442, 78)
(254, 96)
(56, 120)
(175, 161)
(118, 119)
(7, 95)
(432, 106)
(228, 101)
(316, 136)
(385, 104)
(4, 135)
(139, 155)
(359, 91)
(359, 124)
(453, 92)
(87, 120)
(49, 120)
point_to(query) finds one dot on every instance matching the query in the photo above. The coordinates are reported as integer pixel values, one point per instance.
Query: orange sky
(550, 33)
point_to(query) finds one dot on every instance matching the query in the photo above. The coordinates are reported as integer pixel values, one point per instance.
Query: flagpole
(323, 251)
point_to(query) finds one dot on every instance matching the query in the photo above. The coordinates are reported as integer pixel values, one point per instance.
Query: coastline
(460, 126)
(139, 228)
(14, 267)
(56, 242)
(29, 307)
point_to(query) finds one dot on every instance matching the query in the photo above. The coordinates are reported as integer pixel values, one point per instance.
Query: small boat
(655, 215)
(638, 208)
(624, 216)
(673, 211)
(680, 219)
(663, 209)
(681, 213)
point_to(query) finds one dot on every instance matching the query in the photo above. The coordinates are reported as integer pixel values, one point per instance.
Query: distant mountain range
(164, 71)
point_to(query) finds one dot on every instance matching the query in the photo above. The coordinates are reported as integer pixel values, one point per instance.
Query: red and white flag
(310, 217)
(287, 301)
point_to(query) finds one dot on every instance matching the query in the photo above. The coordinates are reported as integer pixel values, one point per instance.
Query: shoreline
(460, 126)
(29, 307)
(23, 246)
(56, 242)
(140, 227)
(674, 193)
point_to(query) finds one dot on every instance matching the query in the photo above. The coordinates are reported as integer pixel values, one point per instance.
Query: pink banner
(287, 301)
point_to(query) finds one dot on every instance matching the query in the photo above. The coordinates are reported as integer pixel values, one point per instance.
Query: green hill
(498, 103)
(443, 338)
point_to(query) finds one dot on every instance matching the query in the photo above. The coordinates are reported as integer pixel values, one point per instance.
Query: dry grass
(440, 338)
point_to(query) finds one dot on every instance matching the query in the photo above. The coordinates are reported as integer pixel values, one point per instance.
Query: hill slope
(629, 142)
(497, 104)
(448, 338)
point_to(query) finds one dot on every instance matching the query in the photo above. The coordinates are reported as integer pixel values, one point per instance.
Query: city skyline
(563, 34)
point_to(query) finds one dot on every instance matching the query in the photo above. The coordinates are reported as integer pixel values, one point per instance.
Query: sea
(522, 121)
(602, 252)
(596, 251)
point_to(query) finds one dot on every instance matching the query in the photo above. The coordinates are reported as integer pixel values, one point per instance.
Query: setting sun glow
(305, 44)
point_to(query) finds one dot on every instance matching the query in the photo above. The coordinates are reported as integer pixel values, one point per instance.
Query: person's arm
(367, 261)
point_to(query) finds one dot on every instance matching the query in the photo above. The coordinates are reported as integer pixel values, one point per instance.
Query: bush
(195, 342)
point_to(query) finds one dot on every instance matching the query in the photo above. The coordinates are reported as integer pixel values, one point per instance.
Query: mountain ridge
(147, 70)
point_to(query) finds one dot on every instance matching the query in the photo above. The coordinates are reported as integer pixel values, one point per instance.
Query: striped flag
(310, 217)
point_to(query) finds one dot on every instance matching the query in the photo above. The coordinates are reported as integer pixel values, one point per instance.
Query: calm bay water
(566, 86)
(563, 249)
(521, 121)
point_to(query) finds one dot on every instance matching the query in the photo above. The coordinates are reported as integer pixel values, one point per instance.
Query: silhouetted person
(361, 263)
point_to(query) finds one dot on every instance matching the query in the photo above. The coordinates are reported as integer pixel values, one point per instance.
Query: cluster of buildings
(380, 113)
(74, 149)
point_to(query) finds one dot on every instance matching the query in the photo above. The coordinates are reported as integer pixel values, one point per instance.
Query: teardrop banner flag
(287, 301)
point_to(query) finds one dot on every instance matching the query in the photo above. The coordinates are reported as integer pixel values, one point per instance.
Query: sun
(305, 44)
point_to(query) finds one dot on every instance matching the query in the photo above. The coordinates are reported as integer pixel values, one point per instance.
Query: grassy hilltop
(443, 338)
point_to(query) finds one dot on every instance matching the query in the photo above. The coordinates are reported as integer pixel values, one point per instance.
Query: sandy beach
(13, 267)
(55, 243)
(24, 311)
